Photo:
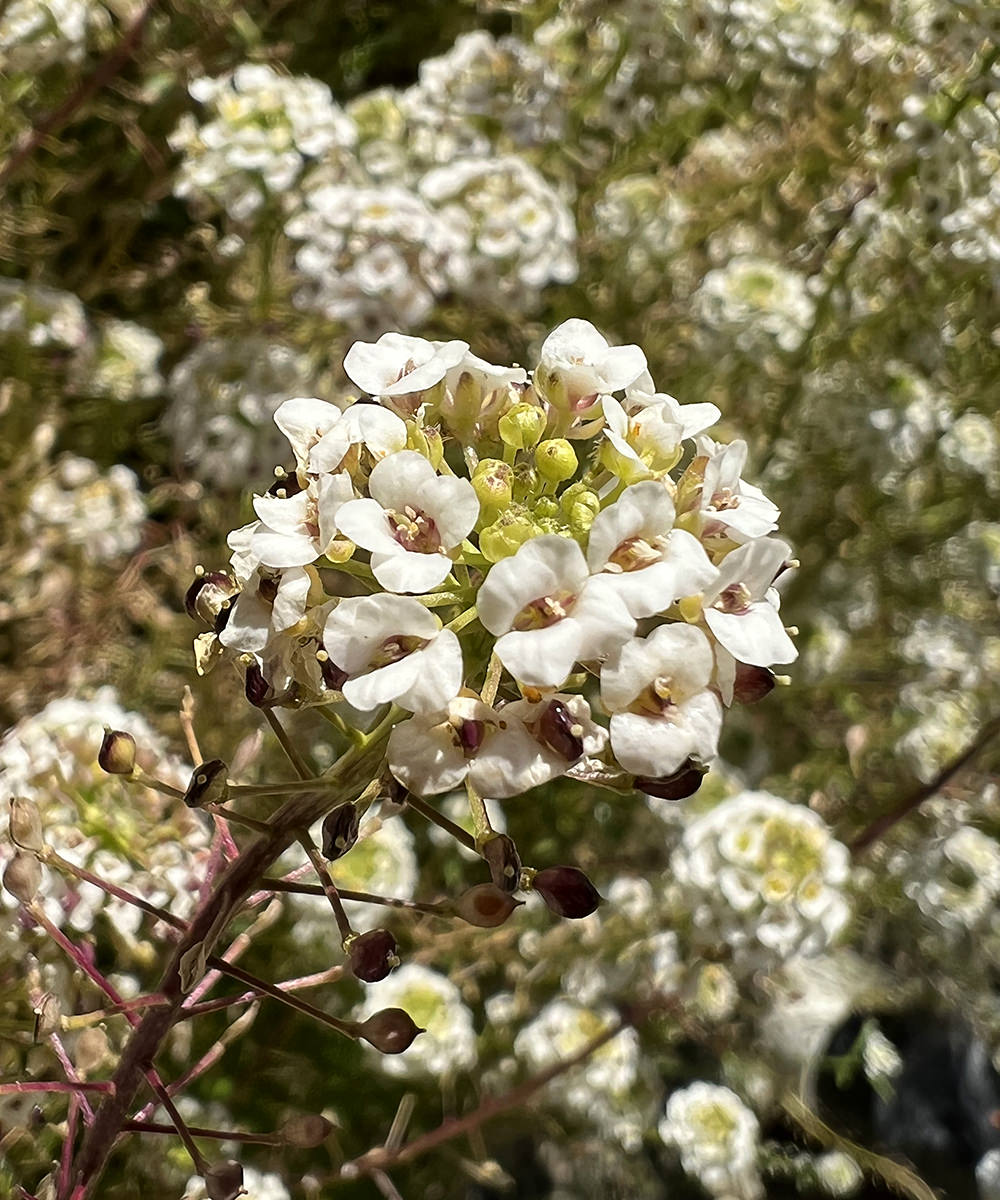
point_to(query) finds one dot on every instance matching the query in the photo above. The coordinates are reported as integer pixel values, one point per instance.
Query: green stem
(292, 754)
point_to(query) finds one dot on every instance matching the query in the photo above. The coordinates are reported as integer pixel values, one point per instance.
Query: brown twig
(881, 824)
(99, 78)
(382, 1158)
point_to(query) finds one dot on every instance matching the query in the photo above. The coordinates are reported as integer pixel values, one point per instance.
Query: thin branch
(383, 1158)
(222, 1135)
(881, 824)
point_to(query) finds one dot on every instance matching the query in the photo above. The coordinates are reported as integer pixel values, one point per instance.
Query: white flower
(296, 530)
(397, 364)
(321, 434)
(411, 522)
(503, 751)
(448, 1044)
(650, 564)
(728, 504)
(644, 444)
(763, 876)
(718, 1139)
(550, 612)
(661, 711)
(577, 357)
(393, 649)
(269, 603)
(741, 607)
(692, 418)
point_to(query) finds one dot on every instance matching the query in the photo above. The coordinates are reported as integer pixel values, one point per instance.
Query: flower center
(656, 699)
(415, 531)
(735, 599)
(724, 499)
(544, 611)
(632, 555)
(470, 736)
(396, 647)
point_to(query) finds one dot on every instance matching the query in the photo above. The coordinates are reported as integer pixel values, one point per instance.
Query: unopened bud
(567, 891)
(426, 440)
(752, 683)
(580, 506)
(522, 426)
(390, 1030)
(306, 1130)
(492, 482)
(504, 861)
(340, 831)
(117, 752)
(485, 905)
(224, 1181)
(372, 955)
(208, 596)
(256, 688)
(334, 677)
(507, 535)
(92, 1050)
(685, 781)
(208, 785)
(26, 825)
(23, 876)
(556, 460)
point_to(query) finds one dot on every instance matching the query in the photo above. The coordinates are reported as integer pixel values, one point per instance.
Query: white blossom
(718, 1139)
(580, 361)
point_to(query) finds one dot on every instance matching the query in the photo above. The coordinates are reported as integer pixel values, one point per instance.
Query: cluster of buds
(518, 576)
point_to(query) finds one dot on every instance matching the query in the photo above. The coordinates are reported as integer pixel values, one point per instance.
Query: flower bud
(224, 1181)
(390, 1030)
(485, 906)
(580, 506)
(504, 861)
(492, 483)
(208, 596)
(208, 784)
(372, 955)
(567, 891)
(522, 426)
(506, 535)
(425, 440)
(305, 1130)
(26, 825)
(117, 752)
(23, 876)
(91, 1050)
(685, 781)
(340, 831)
(752, 683)
(556, 460)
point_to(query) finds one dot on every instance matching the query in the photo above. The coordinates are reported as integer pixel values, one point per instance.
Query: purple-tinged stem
(56, 1085)
(222, 1135)
(67, 1065)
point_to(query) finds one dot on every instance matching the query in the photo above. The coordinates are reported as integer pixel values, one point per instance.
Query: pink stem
(71, 1075)
(56, 1085)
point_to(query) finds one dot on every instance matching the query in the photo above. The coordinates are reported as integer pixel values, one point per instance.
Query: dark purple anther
(470, 735)
(557, 730)
(257, 688)
(333, 676)
(752, 683)
(685, 781)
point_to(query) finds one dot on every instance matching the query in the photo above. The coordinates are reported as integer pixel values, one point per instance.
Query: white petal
(621, 366)
(512, 761)
(439, 674)
(541, 657)
(304, 420)
(383, 685)
(249, 626)
(284, 549)
(378, 429)
(424, 757)
(756, 637)
(328, 453)
(754, 565)
(702, 715)
(364, 521)
(643, 510)
(359, 626)
(649, 745)
(605, 623)
(284, 515)
(399, 479)
(399, 570)
(290, 600)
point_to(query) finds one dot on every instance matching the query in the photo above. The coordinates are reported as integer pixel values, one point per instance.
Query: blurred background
(793, 206)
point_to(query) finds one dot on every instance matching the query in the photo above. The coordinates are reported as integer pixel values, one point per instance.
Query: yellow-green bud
(546, 508)
(522, 426)
(580, 506)
(117, 752)
(426, 441)
(556, 460)
(507, 535)
(492, 482)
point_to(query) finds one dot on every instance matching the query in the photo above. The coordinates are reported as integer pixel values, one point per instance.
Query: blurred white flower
(717, 1138)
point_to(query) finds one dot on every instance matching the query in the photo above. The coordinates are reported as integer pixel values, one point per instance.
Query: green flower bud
(492, 481)
(580, 506)
(546, 509)
(556, 460)
(426, 441)
(507, 535)
(522, 426)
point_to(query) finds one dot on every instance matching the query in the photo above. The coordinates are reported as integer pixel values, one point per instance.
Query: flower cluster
(262, 127)
(459, 488)
(35, 34)
(717, 1138)
(764, 878)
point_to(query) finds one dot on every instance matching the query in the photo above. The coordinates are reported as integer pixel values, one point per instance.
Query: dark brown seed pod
(224, 1181)
(390, 1030)
(752, 683)
(558, 730)
(117, 752)
(372, 955)
(256, 689)
(340, 831)
(485, 905)
(306, 1130)
(567, 891)
(504, 861)
(685, 781)
(208, 785)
